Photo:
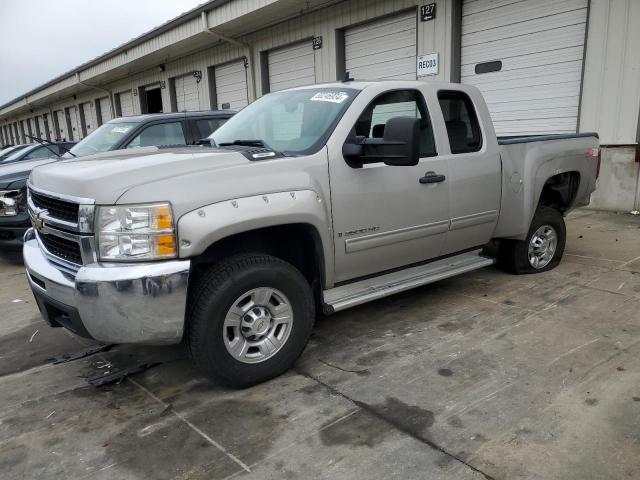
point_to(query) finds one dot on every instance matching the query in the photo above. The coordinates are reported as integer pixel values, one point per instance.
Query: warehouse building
(544, 66)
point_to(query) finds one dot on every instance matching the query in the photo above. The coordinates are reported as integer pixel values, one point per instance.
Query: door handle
(432, 177)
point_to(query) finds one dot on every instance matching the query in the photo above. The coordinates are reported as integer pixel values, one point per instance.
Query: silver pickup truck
(319, 197)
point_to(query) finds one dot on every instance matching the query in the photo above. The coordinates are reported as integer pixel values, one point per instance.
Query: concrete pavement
(487, 375)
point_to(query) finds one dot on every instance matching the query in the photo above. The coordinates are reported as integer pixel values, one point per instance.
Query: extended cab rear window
(461, 121)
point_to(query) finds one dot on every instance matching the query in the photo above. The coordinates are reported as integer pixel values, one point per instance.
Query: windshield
(295, 122)
(10, 151)
(18, 153)
(102, 140)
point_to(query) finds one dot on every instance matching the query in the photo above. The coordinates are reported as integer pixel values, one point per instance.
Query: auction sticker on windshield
(333, 97)
(121, 129)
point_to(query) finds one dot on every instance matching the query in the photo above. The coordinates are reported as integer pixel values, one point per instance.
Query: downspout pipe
(233, 41)
(108, 92)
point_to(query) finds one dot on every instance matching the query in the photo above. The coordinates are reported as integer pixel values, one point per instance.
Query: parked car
(10, 150)
(158, 129)
(129, 132)
(14, 217)
(37, 151)
(330, 195)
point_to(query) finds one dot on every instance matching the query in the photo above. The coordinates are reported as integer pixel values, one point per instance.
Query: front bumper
(113, 303)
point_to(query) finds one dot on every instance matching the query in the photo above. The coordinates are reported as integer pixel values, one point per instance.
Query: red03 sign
(427, 64)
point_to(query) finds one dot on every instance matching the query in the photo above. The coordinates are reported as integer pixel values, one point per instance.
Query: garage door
(105, 110)
(87, 113)
(531, 53)
(75, 134)
(292, 66)
(42, 130)
(48, 129)
(126, 104)
(231, 85)
(62, 125)
(187, 93)
(381, 49)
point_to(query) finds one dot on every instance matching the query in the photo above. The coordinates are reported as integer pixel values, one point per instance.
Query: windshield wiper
(246, 143)
(49, 142)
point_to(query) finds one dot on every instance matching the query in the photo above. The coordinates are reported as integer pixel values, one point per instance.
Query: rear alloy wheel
(542, 249)
(250, 317)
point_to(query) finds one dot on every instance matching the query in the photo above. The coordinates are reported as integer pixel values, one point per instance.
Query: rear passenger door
(474, 174)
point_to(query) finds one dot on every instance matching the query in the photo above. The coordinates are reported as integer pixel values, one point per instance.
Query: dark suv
(164, 129)
(157, 129)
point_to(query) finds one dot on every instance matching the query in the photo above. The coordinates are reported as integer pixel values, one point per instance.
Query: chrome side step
(363, 291)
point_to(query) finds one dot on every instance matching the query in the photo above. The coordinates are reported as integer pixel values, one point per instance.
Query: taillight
(596, 152)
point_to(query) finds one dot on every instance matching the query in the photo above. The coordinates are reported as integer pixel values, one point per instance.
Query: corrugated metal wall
(611, 100)
(611, 89)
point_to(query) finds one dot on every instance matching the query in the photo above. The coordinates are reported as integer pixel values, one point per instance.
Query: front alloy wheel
(250, 317)
(257, 325)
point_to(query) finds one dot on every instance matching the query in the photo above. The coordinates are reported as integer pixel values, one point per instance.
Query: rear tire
(543, 248)
(250, 318)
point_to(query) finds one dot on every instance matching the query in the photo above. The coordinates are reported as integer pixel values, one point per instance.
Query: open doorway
(152, 99)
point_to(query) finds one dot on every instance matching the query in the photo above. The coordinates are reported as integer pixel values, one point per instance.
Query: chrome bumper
(132, 303)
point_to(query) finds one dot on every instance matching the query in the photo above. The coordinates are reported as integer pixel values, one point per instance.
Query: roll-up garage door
(292, 66)
(531, 54)
(33, 126)
(75, 134)
(42, 131)
(46, 120)
(126, 103)
(384, 48)
(105, 110)
(231, 85)
(87, 113)
(187, 93)
(62, 125)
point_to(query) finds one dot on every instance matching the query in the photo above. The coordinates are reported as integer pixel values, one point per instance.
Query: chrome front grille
(61, 209)
(63, 248)
(63, 226)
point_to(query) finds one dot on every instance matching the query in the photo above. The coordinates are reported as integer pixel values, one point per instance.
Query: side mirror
(399, 146)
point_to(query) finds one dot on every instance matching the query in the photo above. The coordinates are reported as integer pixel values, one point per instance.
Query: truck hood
(14, 173)
(106, 177)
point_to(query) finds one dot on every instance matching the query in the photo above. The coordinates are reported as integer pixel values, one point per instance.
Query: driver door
(383, 216)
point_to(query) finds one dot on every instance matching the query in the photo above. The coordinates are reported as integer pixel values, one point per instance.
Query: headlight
(9, 200)
(135, 232)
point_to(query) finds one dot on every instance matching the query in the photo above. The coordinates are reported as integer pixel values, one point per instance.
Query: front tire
(250, 318)
(543, 248)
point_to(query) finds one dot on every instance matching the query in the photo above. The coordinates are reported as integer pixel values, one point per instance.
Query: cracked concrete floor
(487, 375)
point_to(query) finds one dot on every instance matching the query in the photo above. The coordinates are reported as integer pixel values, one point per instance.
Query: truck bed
(528, 162)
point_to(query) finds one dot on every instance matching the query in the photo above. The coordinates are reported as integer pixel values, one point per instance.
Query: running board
(352, 294)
